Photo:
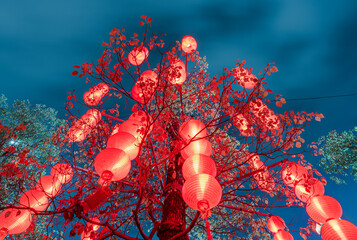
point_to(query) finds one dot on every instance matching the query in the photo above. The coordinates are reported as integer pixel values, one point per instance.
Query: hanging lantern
(188, 44)
(243, 125)
(135, 128)
(177, 73)
(76, 134)
(116, 161)
(138, 95)
(275, 223)
(192, 129)
(322, 208)
(148, 77)
(95, 94)
(309, 189)
(91, 118)
(63, 172)
(142, 117)
(283, 235)
(15, 220)
(34, 199)
(265, 115)
(245, 78)
(91, 227)
(138, 55)
(293, 174)
(201, 187)
(201, 146)
(338, 229)
(126, 142)
(49, 184)
(198, 164)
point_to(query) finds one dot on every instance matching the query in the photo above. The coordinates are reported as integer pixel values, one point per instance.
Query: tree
(339, 151)
(148, 202)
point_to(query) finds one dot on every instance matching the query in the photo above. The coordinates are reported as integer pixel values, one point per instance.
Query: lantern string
(314, 98)
(208, 229)
(106, 115)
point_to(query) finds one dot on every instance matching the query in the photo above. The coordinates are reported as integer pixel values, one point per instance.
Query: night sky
(313, 43)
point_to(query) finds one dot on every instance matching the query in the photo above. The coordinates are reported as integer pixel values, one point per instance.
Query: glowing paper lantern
(311, 188)
(138, 55)
(338, 229)
(113, 160)
(201, 146)
(293, 174)
(81, 128)
(63, 172)
(94, 95)
(265, 115)
(91, 227)
(322, 208)
(34, 199)
(77, 134)
(49, 185)
(126, 142)
(148, 77)
(135, 128)
(138, 95)
(283, 235)
(189, 44)
(142, 117)
(192, 129)
(15, 220)
(198, 164)
(275, 223)
(177, 73)
(201, 187)
(243, 125)
(245, 78)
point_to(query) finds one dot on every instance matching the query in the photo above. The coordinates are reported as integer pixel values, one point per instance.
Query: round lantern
(142, 117)
(126, 142)
(76, 134)
(201, 146)
(94, 95)
(138, 55)
(63, 172)
(283, 235)
(189, 44)
(309, 189)
(322, 208)
(177, 73)
(135, 128)
(192, 129)
(148, 77)
(113, 160)
(245, 79)
(91, 118)
(201, 187)
(243, 125)
(338, 229)
(198, 164)
(275, 223)
(15, 220)
(49, 184)
(293, 174)
(34, 199)
(138, 95)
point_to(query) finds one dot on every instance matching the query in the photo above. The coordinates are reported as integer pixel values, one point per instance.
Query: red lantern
(76, 134)
(116, 161)
(311, 188)
(126, 142)
(148, 77)
(338, 229)
(198, 164)
(49, 184)
(322, 208)
(135, 128)
(177, 73)
(201, 146)
(245, 78)
(138, 55)
(142, 117)
(283, 235)
(201, 187)
(94, 95)
(192, 129)
(138, 95)
(63, 172)
(275, 223)
(243, 125)
(266, 116)
(15, 220)
(293, 174)
(34, 199)
(189, 44)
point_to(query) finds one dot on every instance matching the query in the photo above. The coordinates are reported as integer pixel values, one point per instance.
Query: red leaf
(74, 73)
(76, 66)
(143, 17)
(104, 44)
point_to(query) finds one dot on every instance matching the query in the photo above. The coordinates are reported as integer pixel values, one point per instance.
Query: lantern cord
(208, 229)
(106, 115)
(314, 98)
(245, 210)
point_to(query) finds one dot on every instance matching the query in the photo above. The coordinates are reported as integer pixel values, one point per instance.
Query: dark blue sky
(314, 44)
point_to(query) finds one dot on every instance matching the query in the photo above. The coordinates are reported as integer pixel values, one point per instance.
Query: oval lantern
(142, 117)
(338, 229)
(148, 77)
(243, 125)
(198, 164)
(63, 172)
(138, 95)
(322, 208)
(113, 160)
(311, 188)
(283, 235)
(34, 199)
(76, 134)
(49, 185)
(126, 142)
(189, 44)
(275, 223)
(15, 220)
(201, 146)
(201, 187)
(91, 118)
(245, 78)
(293, 174)
(192, 129)
(177, 73)
(135, 128)
(94, 95)
(137, 56)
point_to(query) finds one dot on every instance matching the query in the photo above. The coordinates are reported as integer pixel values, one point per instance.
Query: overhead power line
(313, 98)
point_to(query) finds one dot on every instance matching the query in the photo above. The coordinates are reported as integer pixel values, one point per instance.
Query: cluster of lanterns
(83, 126)
(17, 220)
(264, 114)
(262, 178)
